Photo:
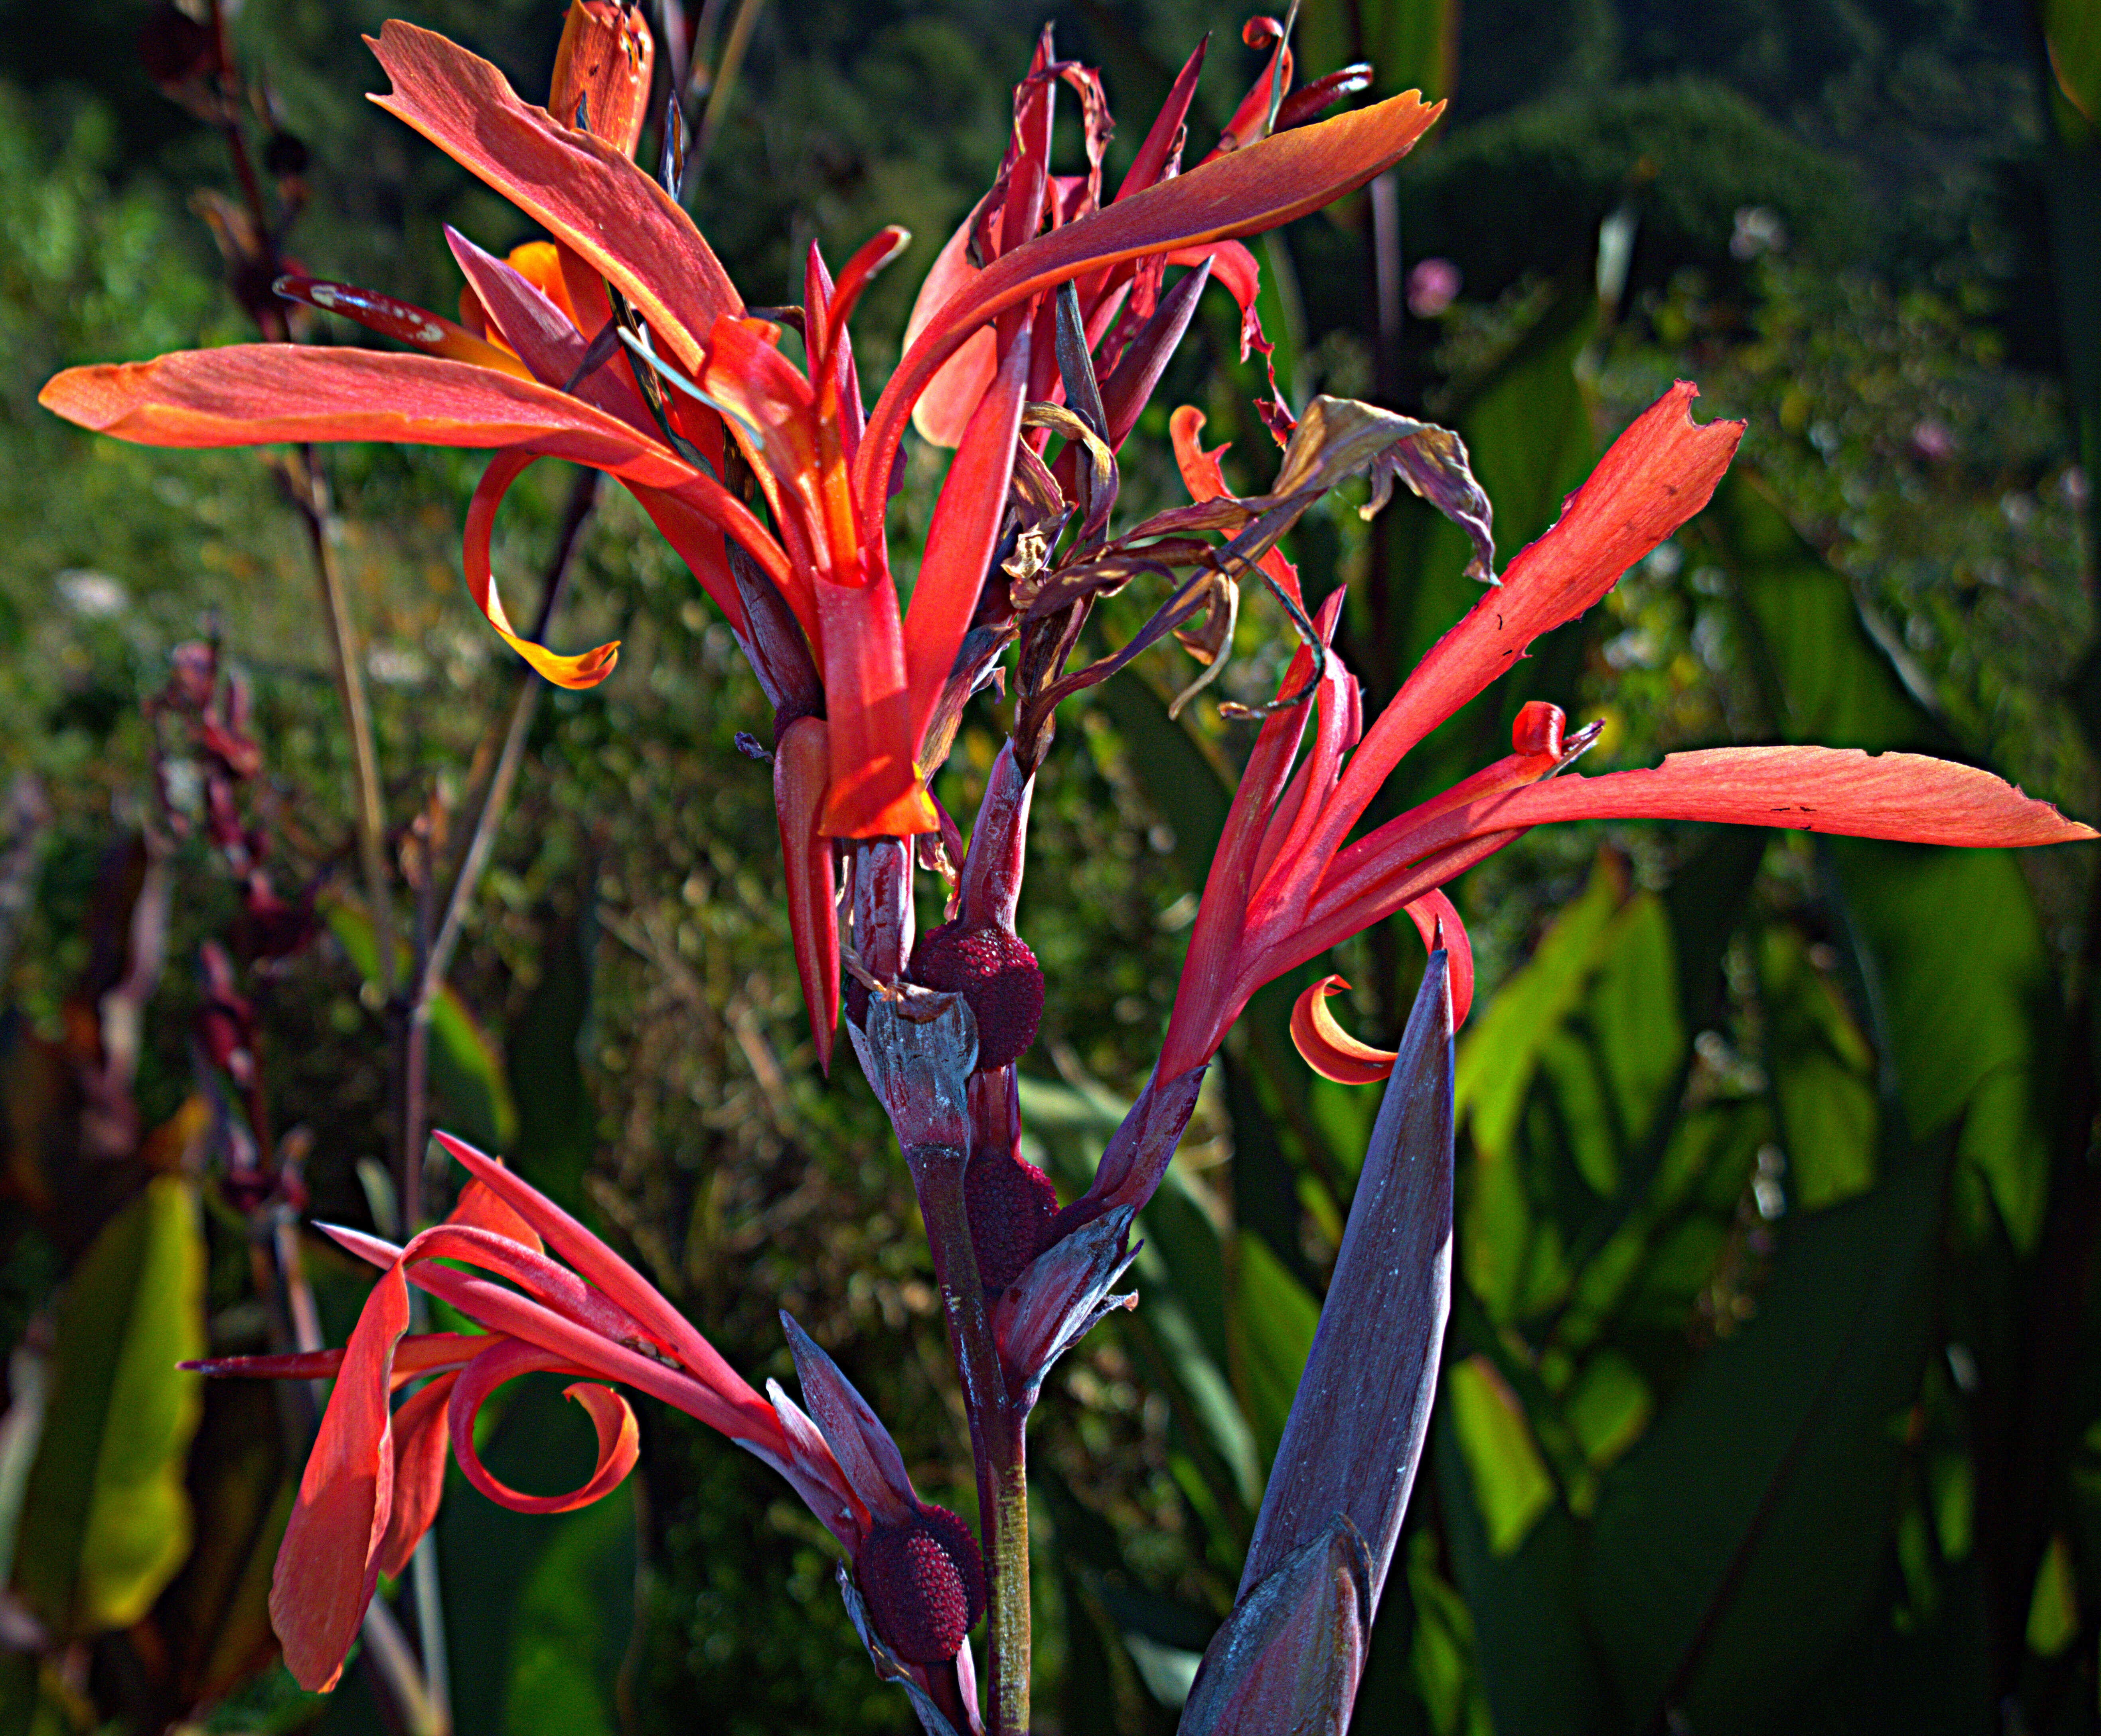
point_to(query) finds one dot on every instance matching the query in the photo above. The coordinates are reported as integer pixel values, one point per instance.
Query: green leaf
(557, 1125)
(575, 1612)
(1512, 1487)
(1743, 1537)
(1823, 1077)
(1270, 1319)
(2072, 30)
(1969, 1010)
(105, 1520)
(466, 1071)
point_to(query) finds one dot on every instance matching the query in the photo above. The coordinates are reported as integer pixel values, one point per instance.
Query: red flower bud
(994, 971)
(924, 1584)
(1537, 728)
(602, 66)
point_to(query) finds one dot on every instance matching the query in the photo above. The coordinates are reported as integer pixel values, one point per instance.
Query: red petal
(960, 539)
(1327, 1048)
(1657, 474)
(329, 1562)
(874, 790)
(1258, 188)
(1907, 796)
(480, 1209)
(419, 1472)
(426, 1353)
(619, 1438)
(580, 188)
(943, 409)
(1163, 139)
(257, 394)
(801, 761)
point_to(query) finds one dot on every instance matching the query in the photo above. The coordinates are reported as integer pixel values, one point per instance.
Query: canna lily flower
(372, 1484)
(1288, 881)
(712, 379)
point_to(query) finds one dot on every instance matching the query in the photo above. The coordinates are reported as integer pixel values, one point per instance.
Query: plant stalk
(996, 1435)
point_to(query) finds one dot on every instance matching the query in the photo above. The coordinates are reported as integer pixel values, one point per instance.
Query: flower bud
(994, 971)
(602, 69)
(1537, 729)
(924, 1583)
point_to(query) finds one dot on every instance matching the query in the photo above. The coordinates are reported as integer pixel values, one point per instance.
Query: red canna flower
(536, 386)
(373, 1482)
(1288, 881)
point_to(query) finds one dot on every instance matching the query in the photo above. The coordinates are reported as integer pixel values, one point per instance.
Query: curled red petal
(619, 1437)
(329, 1562)
(802, 762)
(578, 187)
(1327, 1048)
(419, 1472)
(584, 669)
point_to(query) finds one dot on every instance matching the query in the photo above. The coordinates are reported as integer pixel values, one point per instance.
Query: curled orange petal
(585, 669)
(1327, 1048)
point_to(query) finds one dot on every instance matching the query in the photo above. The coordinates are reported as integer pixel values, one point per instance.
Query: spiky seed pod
(924, 1583)
(1010, 1205)
(993, 970)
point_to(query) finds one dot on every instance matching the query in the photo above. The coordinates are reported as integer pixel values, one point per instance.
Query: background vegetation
(1774, 1398)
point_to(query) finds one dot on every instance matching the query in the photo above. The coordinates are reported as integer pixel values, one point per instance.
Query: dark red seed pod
(1010, 1205)
(993, 970)
(924, 1584)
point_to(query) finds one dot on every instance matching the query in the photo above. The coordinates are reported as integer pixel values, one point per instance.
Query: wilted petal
(917, 1053)
(1289, 1658)
(1354, 1435)
(329, 1562)
(1326, 1047)
(619, 1437)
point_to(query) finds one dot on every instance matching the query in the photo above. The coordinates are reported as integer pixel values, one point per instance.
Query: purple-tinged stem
(995, 1433)
(882, 906)
(999, 841)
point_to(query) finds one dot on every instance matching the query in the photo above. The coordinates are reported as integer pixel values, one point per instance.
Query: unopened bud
(924, 1584)
(601, 79)
(993, 969)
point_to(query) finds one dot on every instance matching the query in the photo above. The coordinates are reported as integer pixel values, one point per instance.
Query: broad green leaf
(105, 1520)
(1826, 678)
(1499, 1050)
(1632, 1011)
(1969, 1008)
(1823, 1077)
(2072, 30)
(1270, 1319)
(1608, 1407)
(569, 1634)
(1412, 45)
(1512, 1487)
(2054, 1612)
(557, 1125)
(1743, 1537)
(466, 1071)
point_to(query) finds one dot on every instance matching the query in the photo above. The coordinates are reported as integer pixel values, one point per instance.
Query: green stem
(995, 1435)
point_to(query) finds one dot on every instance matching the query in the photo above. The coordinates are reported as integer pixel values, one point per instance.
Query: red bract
(716, 380)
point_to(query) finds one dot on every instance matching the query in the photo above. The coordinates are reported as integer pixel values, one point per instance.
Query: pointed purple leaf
(1289, 1658)
(1059, 1298)
(1356, 1431)
(862, 1446)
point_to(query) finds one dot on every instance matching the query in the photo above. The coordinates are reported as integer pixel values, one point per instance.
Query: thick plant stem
(995, 1435)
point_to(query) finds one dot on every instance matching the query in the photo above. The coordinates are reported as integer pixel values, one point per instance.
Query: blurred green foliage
(1773, 1398)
